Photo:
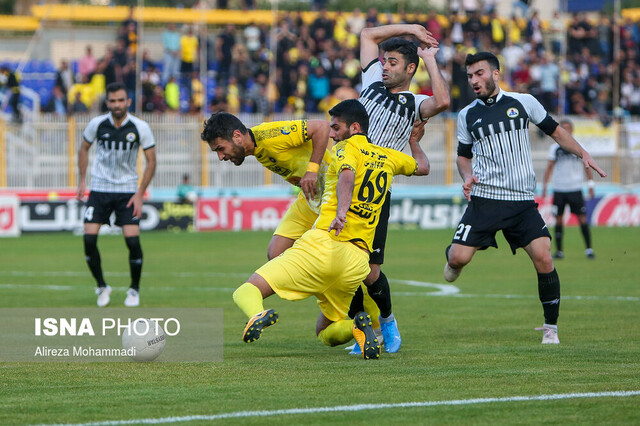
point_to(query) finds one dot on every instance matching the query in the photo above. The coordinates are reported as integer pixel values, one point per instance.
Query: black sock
(586, 234)
(559, 227)
(549, 292)
(381, 294)
(135, 260)
(92, 256)
(357, 303)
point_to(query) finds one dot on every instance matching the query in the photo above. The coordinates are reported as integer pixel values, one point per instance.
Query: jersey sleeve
(405, 164)
(464, 137)
(539, 116)
(146, 136)
(372, 73)
(283, 134)
(91, 131)
(346, 157)
(552, 152)
(419, 100)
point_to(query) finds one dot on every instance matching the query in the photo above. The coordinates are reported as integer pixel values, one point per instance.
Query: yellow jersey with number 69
(284, 147)
(374, 169)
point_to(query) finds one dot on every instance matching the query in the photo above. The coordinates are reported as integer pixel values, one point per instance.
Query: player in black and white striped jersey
(500, 184)
(568, 178)
(393, 110)
(114, 185)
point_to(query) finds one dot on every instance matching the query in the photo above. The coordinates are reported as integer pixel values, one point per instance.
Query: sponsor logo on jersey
(513, 112)
(478, 121)
(285, 130)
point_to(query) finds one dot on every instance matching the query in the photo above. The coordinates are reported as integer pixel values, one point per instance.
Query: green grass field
(478, 343)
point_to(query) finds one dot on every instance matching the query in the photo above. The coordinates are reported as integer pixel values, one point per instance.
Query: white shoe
(104, 294)
(550, 335)
(451, 274)
(133, 298)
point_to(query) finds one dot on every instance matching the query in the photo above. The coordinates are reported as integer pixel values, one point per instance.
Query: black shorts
(380, 238)
(574, 199)
(101, 204)
(520, 222)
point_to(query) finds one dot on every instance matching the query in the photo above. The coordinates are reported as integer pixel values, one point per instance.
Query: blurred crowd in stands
(317, 62)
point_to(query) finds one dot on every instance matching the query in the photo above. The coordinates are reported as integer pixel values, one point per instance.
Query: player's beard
(118, 113)
(238, 155)
(490, 88)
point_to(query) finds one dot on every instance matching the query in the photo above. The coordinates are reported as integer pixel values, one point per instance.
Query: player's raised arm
(567, 141)
(440, 100)
(344, 192)
(416, 150)
(370, 38)
(319, 134)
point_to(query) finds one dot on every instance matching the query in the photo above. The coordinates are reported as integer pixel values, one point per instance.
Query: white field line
(363, 407)
(440, 289)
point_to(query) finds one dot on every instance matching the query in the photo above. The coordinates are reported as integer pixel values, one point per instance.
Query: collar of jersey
(359, 138)
(498, 97)
(253, 138)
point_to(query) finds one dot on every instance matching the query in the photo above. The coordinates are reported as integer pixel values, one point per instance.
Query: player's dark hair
(483, 56)
(221, 125)
(406, 48)
(351, 111)
(114, 87)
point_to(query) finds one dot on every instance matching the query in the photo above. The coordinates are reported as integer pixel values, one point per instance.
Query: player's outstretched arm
(440, 100)
(149, 171)
(416, 150)
(83, 161)
(567, 141)
(370, 38)
(319, 134)
(344, 192)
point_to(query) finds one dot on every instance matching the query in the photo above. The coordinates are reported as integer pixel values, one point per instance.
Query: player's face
(118, 102)
(395, 71)
(482, 79)
(339, 130)
(228, 150)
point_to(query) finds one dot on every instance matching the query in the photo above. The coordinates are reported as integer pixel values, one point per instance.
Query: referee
(114, 185)
(500, 185)
(568, 177)
(393, 110)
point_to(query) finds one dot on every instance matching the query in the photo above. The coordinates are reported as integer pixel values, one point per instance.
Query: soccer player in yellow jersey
(330, 260)
(295, 150)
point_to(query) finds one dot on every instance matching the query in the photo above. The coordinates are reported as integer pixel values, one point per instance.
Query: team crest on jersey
(513, 112)
(402, 99)
(131, 137)
(285, 130)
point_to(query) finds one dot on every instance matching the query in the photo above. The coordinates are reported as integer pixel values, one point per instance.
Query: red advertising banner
(610, 210)
(235, 214)
(9, 216)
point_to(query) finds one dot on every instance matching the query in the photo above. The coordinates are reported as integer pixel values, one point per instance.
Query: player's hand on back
(338, 224)
(308, 184)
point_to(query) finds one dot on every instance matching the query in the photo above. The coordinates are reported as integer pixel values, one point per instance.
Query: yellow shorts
(319, 266)
(297, 220)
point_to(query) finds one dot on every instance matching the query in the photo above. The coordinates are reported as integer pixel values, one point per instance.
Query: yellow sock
(249, 299)
(371, 308)
(338, 333)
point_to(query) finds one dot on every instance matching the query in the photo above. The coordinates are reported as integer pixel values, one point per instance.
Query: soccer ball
(147, 337)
